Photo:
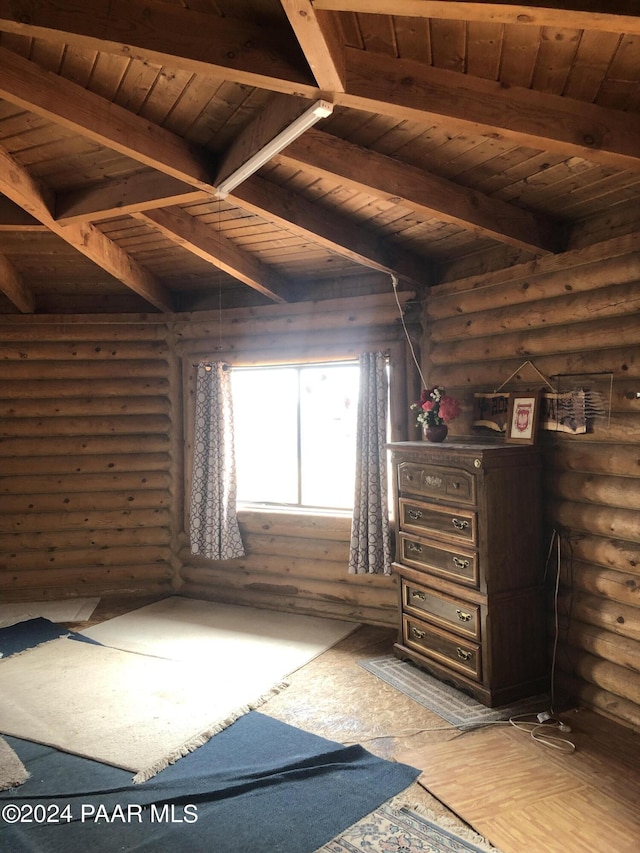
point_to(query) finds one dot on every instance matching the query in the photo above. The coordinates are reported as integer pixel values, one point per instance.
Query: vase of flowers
(434, 411)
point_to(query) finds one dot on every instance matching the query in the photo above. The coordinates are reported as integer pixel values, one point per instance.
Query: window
(295, 434)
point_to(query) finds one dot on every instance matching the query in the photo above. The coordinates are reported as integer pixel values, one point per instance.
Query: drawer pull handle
(460, 564)
(462, 616)
(419, 634)
(419, 595)
(413, 546)
(456, 485)
(462, 654)
(415, 514)
(459, 525)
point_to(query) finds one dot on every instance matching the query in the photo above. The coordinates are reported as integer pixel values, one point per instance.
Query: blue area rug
(31, 633)
(259, 786)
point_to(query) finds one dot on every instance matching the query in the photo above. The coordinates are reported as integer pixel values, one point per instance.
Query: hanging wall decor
(564, 412)
(491, 410)
(524, 413)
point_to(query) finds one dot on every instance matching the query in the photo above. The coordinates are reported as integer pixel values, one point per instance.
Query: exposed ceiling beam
(120, 196)
(408, 89)
(375, 83)
(319, 38)
(252, 54)
(14, 288)
(20, 187)
(429, 195)
(618, 16)
(330, 229)
(24, 83)
(216, 249)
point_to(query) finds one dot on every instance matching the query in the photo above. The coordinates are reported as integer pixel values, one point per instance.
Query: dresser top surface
(492, 453)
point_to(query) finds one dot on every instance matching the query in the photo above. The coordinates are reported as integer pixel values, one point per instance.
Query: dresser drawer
(461, 655)
(443, 610)
(456, 525)
(456, 565)
(436, 481)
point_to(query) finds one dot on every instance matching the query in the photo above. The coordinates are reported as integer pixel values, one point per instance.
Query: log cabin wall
(295, 560)
(575, 313)
(87, 457)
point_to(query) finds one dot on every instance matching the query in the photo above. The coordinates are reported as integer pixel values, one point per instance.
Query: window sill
(281, 509)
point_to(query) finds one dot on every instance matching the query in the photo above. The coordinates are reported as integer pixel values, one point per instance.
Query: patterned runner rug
(399, 830)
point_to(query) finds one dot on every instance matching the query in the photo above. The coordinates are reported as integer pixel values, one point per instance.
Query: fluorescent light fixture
(321, 109)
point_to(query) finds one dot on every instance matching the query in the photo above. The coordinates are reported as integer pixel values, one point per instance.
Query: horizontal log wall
(87, 457)
(568, 314)
(295, 560)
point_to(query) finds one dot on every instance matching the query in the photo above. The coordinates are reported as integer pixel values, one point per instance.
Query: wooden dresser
(470, 565)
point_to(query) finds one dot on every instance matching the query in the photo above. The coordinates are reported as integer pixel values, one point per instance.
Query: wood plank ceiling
(460, 130)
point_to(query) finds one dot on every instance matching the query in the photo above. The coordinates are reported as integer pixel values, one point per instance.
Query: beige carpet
(68, 610)
(12, 770)
(185, 629)
(140, 711)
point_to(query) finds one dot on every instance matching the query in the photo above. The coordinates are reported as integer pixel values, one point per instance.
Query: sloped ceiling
(462, 132)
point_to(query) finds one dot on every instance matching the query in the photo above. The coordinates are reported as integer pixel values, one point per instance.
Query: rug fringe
(200, 739)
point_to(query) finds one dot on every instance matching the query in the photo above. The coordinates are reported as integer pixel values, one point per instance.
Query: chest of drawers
(470, 566)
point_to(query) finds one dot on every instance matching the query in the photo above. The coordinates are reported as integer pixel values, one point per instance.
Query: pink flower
(449, 408)
(435, 407)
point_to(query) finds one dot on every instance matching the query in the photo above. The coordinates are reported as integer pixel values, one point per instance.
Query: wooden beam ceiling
(216, 249)
(374, 83)
(151, 190)
(21, 188)
(407, 89)
(163, 33)
(118, 196)
(23, 82)
(317, 33)
(433, 197)
(329, 229)
(618, 16)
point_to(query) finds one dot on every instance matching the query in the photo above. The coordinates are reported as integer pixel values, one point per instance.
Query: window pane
(328, 411)
(265, 414)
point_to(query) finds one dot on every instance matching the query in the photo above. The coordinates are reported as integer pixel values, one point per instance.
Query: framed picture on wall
(524, 413)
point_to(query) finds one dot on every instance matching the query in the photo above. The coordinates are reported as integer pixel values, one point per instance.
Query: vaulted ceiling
(477, 133)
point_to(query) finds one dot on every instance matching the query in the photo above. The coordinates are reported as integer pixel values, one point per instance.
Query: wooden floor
(522, 797)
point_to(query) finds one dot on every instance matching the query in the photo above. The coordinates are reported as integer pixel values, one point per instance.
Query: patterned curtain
(370, 549)
(214, 528)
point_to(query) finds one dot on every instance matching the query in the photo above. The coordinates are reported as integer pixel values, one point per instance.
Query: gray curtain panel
(214, 528)
(370, 549)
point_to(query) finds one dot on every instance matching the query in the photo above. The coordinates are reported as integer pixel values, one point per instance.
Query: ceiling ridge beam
(388, 178)
(216, 249)
(20, 187)
(602, 15)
